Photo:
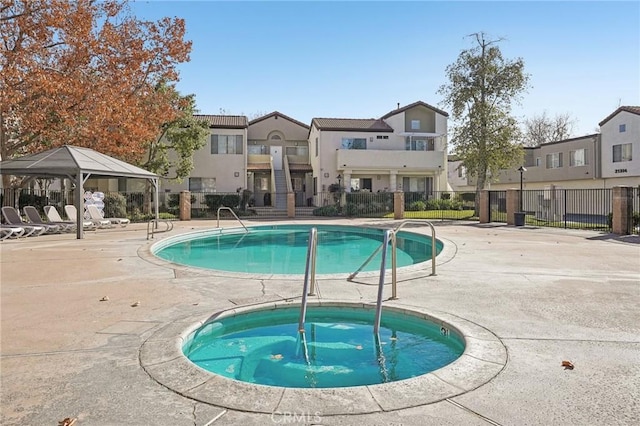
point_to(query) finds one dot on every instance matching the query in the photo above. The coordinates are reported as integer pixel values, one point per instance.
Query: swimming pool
(337, 349)
(282, 249)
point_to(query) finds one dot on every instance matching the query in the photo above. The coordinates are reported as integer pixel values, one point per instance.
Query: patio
(549, 295)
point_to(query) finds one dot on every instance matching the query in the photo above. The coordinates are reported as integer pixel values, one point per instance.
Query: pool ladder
(234, 215)
(389, 237)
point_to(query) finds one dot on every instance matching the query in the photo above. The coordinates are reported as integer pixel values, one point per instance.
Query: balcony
(361, 159)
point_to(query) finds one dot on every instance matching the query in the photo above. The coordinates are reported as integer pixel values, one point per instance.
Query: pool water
(338, 347)
(282, 249)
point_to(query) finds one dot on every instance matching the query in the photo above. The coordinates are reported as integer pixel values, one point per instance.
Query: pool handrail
(397, 228)
(234, 215)
(309, 276)
(152, 226)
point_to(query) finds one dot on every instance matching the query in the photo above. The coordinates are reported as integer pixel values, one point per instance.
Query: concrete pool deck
(548, 295)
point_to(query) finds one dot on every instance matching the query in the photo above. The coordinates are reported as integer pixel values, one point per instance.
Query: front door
(276, 155)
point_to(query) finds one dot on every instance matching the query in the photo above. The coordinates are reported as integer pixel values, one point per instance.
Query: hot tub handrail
(234, 215)
(309, 276)
(396, 229)
(389, 236)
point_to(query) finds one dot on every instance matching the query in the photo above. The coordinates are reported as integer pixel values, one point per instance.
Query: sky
(359, 59)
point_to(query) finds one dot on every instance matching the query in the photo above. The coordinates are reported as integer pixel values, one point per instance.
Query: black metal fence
(561, 208)
(497, 206)
(568, 208)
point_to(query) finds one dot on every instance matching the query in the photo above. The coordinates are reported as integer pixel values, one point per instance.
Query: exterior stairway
(281, 190)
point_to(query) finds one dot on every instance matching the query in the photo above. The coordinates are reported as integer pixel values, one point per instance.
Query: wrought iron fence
(497, 206)
(568, 208)
(443, 205)
(635, 210)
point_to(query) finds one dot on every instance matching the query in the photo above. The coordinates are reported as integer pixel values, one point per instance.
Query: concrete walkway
(548, 295)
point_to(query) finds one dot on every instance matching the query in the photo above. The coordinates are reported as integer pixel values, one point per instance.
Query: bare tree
(541, 129)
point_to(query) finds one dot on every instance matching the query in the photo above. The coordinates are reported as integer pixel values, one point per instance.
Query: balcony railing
(378, 159)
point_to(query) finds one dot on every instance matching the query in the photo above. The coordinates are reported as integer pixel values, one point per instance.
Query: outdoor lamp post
(521, 169)
(339, 177)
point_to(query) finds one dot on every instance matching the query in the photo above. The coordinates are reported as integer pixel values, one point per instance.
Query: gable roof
(67, 160)
(415, 104)
(352, 124)
(223, 121)
(631, 109)
(277, 114)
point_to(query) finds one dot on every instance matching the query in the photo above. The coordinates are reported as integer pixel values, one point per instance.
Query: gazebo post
(79, 206)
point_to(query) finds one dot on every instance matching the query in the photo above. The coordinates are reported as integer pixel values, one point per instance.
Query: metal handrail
(396, 229)
(151, 231)
(389, 236)
(309, 276)
(234, 215)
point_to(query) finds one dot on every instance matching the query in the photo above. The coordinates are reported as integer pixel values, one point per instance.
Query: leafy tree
(177, 140)
(541, 129)
(482, 87)
(84, 73)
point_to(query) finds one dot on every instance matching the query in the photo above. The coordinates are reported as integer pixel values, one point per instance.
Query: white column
(347, 181)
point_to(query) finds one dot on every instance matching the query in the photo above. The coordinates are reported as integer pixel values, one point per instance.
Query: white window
(226, 144)
(622, 128)
(622, 152)
(578, 158)
(354, 143)
(202, 184)
(538, 161)
(462, 173)
(261, 184)
(316, 148)
(258, 149)
(412, 144)
(415, 124)
(554, 161)
(297, 150)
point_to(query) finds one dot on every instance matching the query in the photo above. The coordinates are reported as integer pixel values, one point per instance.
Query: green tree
(481, 90)
(177, 140)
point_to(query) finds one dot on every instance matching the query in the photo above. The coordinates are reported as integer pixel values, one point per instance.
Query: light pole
(339, 177)
(521, 169)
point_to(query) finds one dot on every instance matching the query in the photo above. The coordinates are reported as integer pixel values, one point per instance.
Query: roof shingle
(631, 109)
(224, 121)
(415, 104)
(352, 124)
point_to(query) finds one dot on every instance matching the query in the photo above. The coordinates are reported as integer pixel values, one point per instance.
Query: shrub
(115, 205)
(326, 211)
(417, 206)
(215, 201)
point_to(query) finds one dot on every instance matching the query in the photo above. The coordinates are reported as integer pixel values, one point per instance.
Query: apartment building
(599, 160)
(273, 155)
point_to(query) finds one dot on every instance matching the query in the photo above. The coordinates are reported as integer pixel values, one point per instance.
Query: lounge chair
(35, 218)
(9, 231)
(96, 214)
(71, 212)
(54, 217)
(12, 217)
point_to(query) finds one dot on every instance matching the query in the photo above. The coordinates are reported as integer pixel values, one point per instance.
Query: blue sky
(359, 59)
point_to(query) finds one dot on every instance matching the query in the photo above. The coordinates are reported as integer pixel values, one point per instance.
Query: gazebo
(76, 164)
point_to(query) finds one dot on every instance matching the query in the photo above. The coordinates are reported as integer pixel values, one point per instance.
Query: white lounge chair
(96, 214)
(54, 217)
(12, 217)
(10, 231)
(71, 212)
(35, 218)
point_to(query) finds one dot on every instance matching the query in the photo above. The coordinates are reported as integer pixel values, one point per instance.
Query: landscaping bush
(326, 211)
(115, 205)
(215, 201)
(417, 206)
